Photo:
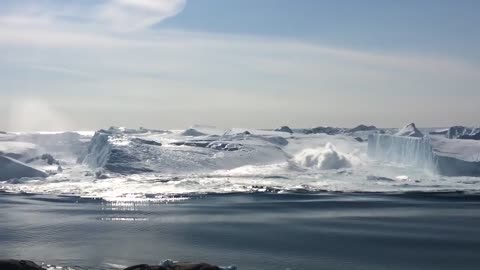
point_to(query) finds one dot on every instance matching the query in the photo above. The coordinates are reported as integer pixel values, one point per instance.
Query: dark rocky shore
(29, 265)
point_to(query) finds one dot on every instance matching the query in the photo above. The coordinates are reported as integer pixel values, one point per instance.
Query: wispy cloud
(116, 15)
(106, 24)
(129, 15)
(232, 75)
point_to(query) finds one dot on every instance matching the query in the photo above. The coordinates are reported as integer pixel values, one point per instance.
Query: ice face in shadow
(437, 155)
(14, 169)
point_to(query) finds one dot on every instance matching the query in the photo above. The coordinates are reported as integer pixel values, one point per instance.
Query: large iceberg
(449, 157)
(460, 132)
(130, 153)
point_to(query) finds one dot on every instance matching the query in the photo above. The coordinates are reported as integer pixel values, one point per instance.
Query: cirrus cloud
(110, 15)
(128, 15)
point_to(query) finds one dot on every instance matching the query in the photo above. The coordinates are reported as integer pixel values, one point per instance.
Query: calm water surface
(251, 231)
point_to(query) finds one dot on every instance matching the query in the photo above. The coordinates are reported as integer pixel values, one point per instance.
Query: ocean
(256, 231)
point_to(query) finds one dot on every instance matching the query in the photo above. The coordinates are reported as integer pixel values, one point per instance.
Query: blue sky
(444, 26)
(173, 63)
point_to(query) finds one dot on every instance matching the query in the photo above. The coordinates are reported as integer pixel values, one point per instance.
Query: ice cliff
(449, 157)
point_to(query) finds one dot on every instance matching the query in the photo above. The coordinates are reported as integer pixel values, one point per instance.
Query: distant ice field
(155, 165)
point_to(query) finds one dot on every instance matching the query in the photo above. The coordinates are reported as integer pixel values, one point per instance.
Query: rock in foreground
(29, 265)
(176, 266)
(19, 265)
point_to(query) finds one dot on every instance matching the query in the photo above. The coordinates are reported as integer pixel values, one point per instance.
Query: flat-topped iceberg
(450, 157)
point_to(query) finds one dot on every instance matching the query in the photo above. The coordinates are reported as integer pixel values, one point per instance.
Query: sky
(90, 64)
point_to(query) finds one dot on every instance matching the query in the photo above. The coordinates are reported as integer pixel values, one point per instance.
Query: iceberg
(460, 132)
(193, 132)
(24, 146)
(18, 150)
(14, 169)
(410, 130)
(286, 129)
(325, 130)
(362, 128)
(134, 153)
(448, 157)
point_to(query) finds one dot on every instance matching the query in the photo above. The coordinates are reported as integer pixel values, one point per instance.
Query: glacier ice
(193, 132)
(18, 150)
(460, 132)
(362, 128)
(449, 157)
(178, 153)
(14, 169)
(149, 164)
(284, 129)
(410, 130)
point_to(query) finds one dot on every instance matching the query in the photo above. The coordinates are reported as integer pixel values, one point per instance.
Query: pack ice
(437, 154)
